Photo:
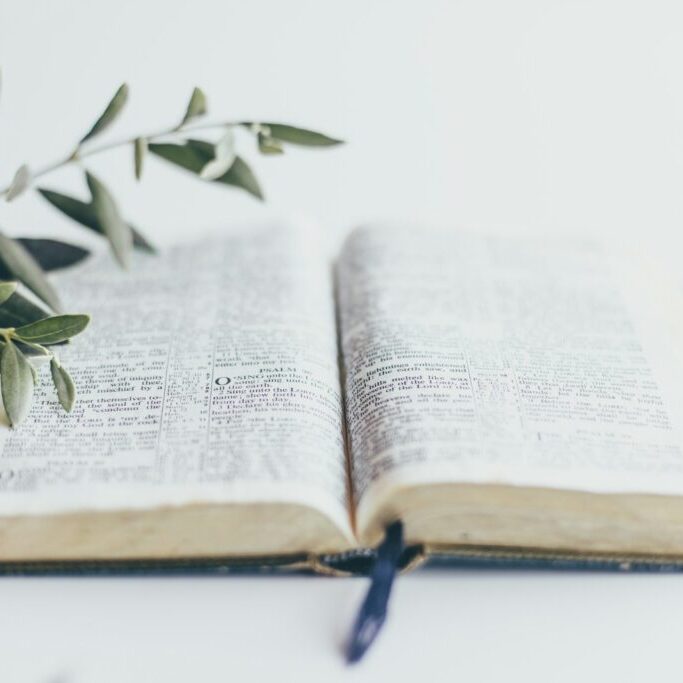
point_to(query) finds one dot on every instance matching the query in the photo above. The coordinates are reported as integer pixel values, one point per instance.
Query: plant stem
(10, 333)
(80, 153)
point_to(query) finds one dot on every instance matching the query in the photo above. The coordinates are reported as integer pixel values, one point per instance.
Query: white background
(554, 116)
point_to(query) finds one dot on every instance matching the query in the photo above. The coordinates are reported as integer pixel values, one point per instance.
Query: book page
(504, 360)
(208, 374)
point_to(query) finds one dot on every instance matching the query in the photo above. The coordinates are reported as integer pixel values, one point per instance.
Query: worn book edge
(359, 562)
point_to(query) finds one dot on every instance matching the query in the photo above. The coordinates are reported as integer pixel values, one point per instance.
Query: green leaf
(18, 310)
(297, 136)
(108, 217)
(85, 215)
(195, 107)
(140, 151)
(6, 290)
(20, 183)
(29, 349)
(193, 155)
(66, 390)
(223, 158)
(268, 145)
(16, 383)
(241, 175)
(109, 114)
(181, 155)
(52, 330)
(19, 262)
(50, 254)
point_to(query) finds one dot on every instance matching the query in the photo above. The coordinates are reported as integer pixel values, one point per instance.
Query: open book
(239, 397)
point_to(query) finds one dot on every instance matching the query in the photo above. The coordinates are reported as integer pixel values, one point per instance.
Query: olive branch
(31, 325)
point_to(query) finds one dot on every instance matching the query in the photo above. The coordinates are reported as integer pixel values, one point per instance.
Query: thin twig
(80, 153)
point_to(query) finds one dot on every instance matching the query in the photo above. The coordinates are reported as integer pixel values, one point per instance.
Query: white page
(503, 360)
(209, 373)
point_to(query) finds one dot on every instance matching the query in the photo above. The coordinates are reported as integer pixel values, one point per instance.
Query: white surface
(553, 116)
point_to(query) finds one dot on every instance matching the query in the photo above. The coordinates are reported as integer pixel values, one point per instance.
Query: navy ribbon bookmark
(373, 611)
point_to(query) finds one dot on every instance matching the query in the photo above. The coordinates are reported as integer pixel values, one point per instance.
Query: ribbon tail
(373, 611)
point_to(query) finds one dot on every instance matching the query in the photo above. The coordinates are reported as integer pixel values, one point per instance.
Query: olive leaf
(195, 107)
(112, 110)
(53, 330)
(16, 383)
(193, 155)
(34, 374)
(224, 157)
(182, 155)
(64, 385)
(50, 254)
(294, 135)
(6, 290)
(18, 310)
(108, 217)
(29, 349)
(83, 213)
(30, 326)
(240, 175)
(18, 261)
(268, 145)
(140, 146)
(20, 183)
